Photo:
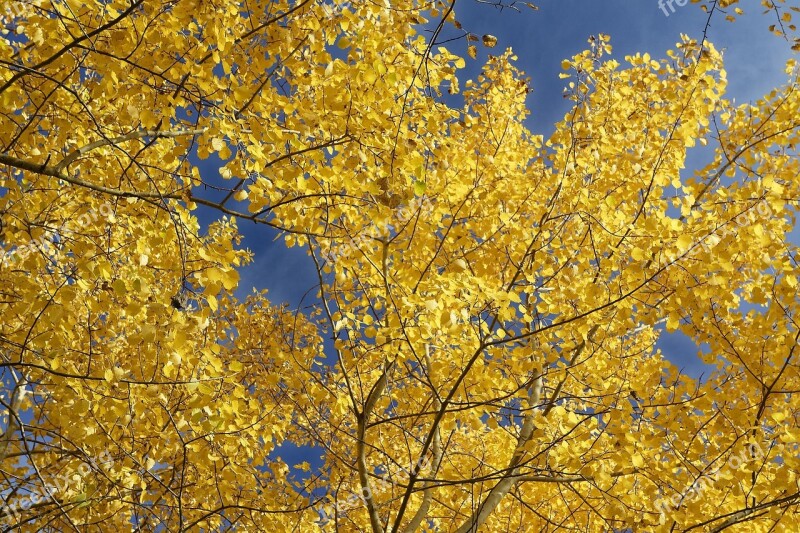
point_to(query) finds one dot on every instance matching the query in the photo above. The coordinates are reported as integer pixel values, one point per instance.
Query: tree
(481, 353)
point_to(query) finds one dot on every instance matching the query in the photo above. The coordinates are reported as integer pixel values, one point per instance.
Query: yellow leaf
(673, 321)
(119, 287)
(684, 242)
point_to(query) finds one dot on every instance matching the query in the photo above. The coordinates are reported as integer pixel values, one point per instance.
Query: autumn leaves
(484, 302)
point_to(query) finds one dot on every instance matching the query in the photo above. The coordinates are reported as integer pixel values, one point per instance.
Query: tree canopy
(480, 353)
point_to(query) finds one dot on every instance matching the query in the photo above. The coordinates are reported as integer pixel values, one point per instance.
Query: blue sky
(755, 59)
(755, 62)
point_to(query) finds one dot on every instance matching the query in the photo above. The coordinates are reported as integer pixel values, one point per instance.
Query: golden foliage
(481, 354)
